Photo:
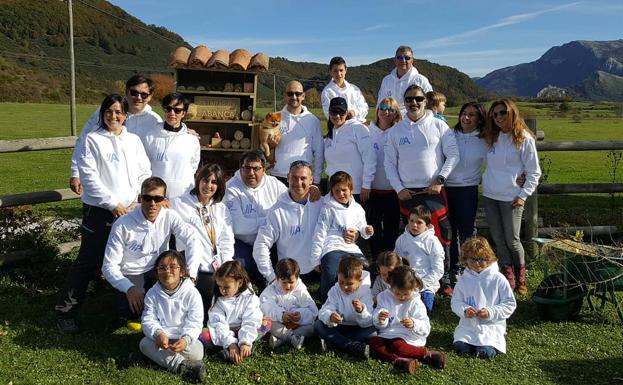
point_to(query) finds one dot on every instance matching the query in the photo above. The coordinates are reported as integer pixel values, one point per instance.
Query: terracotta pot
(239, 59)
(259, 62)
(179, 57)
(199, 56)
(219, 59)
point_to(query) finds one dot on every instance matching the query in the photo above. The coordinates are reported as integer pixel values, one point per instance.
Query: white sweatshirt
(490, 290)
(392, 328)
(417, 152)
(505, 162)
(274, 302)
(135, 243)
(291, 225)
(350, 150)
(112, 168)
(177, 315)
(472, 153)
(378, 138)
(239, 312)
(248, 206)
(188, 207)
(174, 157)
(351, 93)
(333, 220)
(342, 303)
(392, 86)
(301, 139)
(425, 255)
(135, 123)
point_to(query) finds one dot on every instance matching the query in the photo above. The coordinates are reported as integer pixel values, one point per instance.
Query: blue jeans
(504, 224)
(486, 352)
(428, 297)
(342, 335)
(328, 270)
(462, 206)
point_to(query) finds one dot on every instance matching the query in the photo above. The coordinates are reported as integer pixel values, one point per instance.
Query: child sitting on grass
(483, 300)
(403, 325)
(235, 319)
(289, 306)
(419, 245)
(172, 319)
(345, 319)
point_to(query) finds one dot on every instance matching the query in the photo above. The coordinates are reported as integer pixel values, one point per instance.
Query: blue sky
(475, 37)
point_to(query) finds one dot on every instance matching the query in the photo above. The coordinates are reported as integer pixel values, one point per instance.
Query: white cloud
(376, 27)
(246, 42)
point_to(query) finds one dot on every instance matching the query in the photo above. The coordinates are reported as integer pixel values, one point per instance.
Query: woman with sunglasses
(112, 165)
(347, 148)
(462, 183)
(512, 151)
(174, 154)
(203, 209)
(383, 210)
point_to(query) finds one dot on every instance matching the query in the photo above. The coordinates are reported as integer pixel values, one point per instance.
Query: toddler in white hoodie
(235, 319)
(419, 245)
(289, 306)
(483, 300)
(172, 319)
(403, 324)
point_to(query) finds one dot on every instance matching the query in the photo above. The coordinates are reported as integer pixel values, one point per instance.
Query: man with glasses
(290, 224)
(249, 195)
(401, 77)
(141, 119)
(301, 136)
(136, 240)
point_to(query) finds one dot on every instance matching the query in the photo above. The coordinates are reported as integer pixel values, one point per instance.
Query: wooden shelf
(212, 69)
(219, 149)
(217, 93)
(246, 122)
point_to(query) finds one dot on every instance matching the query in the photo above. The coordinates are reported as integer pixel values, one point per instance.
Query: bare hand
(358, 306)
(234, 353)
(193, 132)
(119, 211)
(335, 318)
(131, 207)
(245, 351)
(483, 313)
(350, 114)
(405, 194)
(434, 188)
(136, 299)
(166, 203)
(286, 317)
(350, 235)
(364, 195)
(521, 179)
(75, 186)
(317, 269)
(408, 323)
(178, 346)
(314, 193)
(518, 202)
(369, 230)
(162, 341)
(383, 315)
(470, 312)
(295, 316)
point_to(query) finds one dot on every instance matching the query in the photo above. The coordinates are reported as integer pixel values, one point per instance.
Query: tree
(312, 98)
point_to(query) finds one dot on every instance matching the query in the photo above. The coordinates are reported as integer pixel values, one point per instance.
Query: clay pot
(179, 57)
(219, 59)
(199, 56)
(239, 59)
(259, 62)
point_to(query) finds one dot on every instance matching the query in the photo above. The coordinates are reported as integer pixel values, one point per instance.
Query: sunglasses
(479, 260)
(404, 57)
(384, 107)
(177, 110)
(136, 93)
(500, 113)
(152, 198)
(337, 113)
(294, 93)
(249, 168)
(411, 99)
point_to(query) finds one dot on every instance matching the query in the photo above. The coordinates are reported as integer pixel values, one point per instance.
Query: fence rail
(21, 145)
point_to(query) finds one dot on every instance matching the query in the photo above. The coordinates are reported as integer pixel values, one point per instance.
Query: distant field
(36, 171)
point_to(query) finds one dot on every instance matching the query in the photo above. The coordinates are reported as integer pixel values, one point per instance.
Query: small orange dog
(270, 129)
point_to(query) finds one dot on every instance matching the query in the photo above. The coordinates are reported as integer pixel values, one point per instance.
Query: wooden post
(531, 213)
(72, 71)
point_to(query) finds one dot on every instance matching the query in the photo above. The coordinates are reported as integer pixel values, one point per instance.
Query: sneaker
(359, 349)
(193, 370)
(435, 359)
(224, 355)
(134, 326)
(297, 341)
(406, 365)
(323, 346)
(67, 325)
(274, 342)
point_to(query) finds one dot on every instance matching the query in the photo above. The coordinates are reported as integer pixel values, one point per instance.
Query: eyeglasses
(152, 198)
(337, 113)
(163, 268)
(479, 260)
(300, 163)
(500, 113)
(294, 93)
(404, 57)
(177, 110)
(384, 107)
(136, 93)
(251, 168)
(411, 99)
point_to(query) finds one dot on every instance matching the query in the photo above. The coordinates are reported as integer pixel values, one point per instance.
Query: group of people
(182, 245)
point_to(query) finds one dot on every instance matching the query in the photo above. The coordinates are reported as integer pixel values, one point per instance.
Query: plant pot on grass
(559, 299)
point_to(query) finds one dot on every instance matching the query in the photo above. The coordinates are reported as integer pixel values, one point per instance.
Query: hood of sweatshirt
(185, 287)
(331, 202)
(287, 200)
(304, 112)
(413, 71)
(486, 273)
(429, 232)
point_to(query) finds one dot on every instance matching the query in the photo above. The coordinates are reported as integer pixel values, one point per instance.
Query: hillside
(589, 69)
(110, 45)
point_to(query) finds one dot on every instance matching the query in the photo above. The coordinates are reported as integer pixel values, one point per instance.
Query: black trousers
(383, 213)
(206, 286)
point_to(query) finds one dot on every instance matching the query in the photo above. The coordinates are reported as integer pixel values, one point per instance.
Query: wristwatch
(441, 179)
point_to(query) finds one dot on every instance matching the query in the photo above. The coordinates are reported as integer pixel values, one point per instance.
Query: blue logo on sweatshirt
(404, 140)
(134, 246)
(341, 228)
(248, 209)
(471, 301)
(162, 157)
(376, 147)
(295, 230)
(112, 157)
